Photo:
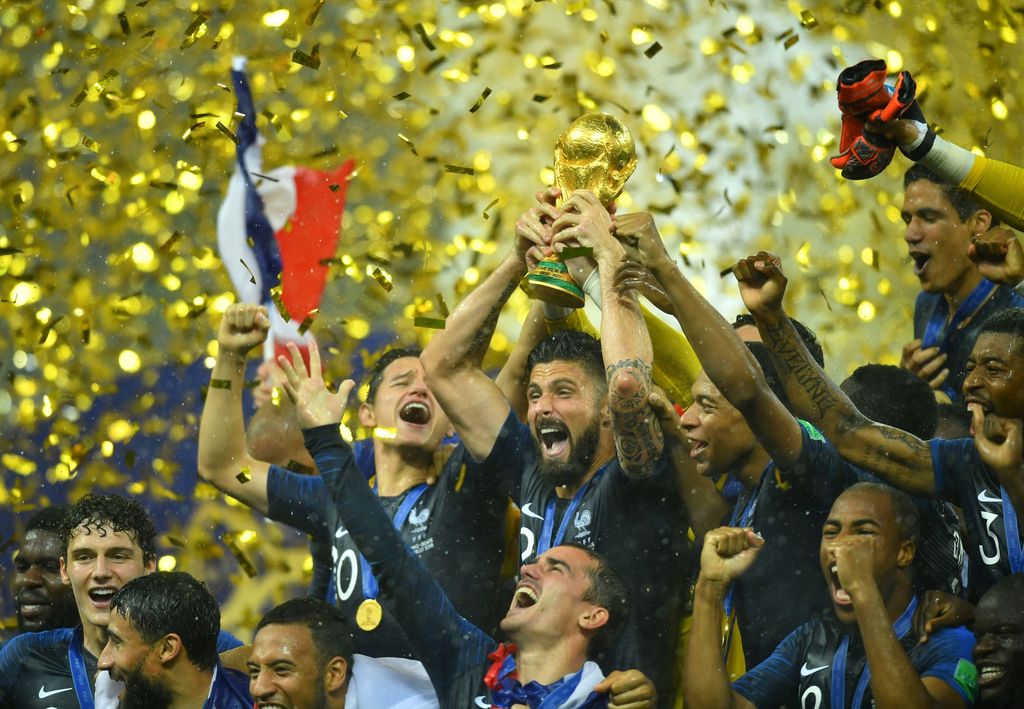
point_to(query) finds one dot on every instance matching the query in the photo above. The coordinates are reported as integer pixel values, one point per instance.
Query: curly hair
(121, 514)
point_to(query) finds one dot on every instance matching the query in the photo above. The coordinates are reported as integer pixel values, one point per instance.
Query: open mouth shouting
(697, 447)
(839, 596)
(921, 260)
(990, 675)
(415, 413)
(524, 597)
(101, 596)
(553, 436)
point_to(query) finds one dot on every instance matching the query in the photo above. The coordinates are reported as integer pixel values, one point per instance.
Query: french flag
(277, 227)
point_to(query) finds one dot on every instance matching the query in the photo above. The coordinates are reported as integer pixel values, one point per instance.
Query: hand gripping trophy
(595, 153)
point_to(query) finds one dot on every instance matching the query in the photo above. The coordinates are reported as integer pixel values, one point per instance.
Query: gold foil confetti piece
(651, 51)
(86, 332)
(576, 251)
(275, 122)
(725, 271)
(539, 98)
(196, 23)
(191, 129)
(297, 467)
(382, 278)
(224, 87)
(459, 170)
(159, 184)
(409, 143)
(434, 64)
(307, 322)
(100, 86)
(401, 95)
(10, 251)
(488, 208)
(342, 115)
(311, 60)
(790, 41)
(551, 65)
(275, 295)
(227, 131)
(171, 241)
(480, 101)
(825, 297)
(429, 323)
(334, 188)
(252, 278)
(220, 384)
(79, 97)
(243, 475)
(268, 178)
(332, 150)
(422, 32)
(125, 27)
(247, 566)
(175, 541)
(311, 17)
(68, 193)
(808, 20)
(441, 305)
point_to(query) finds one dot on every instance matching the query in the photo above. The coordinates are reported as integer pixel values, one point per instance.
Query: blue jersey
(800, 671)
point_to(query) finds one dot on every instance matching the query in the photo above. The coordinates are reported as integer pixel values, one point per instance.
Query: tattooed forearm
(478, 347)
(639, 439)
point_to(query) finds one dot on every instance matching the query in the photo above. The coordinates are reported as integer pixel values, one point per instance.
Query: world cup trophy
(595, 153)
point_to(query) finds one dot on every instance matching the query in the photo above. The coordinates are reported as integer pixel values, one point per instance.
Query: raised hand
(631, 275)
(588, 223)
(903, 130)
(854, 559)
(762, 283)
(629, 689)
(926, 363)
(669, 417)
(999, 441)
(727, 553)
(242, 327)
(533, 229)
(639, 232)
(939, 610)
(999, 256)
(314, 404)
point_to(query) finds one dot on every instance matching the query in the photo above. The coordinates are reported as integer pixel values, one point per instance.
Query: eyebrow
(552, 561)
(396, 377)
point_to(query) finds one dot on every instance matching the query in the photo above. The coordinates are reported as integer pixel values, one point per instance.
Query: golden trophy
(595, 153)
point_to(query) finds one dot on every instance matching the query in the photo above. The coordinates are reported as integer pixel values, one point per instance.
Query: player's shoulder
(22, 644)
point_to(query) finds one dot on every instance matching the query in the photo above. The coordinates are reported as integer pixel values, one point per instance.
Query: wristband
(592, 287)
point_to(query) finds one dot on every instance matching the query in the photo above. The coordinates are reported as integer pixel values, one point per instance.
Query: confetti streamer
(227, 131)
(382, 278)
(480, 101)
(430, 323)
(422, 32)
(311, 60)
(275, 295)
(459, 170)
(220, 383)
(307, 322)
(311, 17)
(243, 561)
(252, 278)
(488, 208)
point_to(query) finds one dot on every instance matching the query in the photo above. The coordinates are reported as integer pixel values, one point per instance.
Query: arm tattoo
(482, 339)
(639, 439)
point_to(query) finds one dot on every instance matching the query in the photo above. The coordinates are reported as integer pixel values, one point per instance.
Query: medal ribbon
(502, 679)
(546, 542)
(79, 675)
(838, 695)
(936, 330)
(743, 519)
(370, 588)
(1012, 533)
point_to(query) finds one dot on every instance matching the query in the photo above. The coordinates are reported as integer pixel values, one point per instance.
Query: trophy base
(551, 282)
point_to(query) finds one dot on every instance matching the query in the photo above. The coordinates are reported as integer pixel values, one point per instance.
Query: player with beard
(864, 652)
(457, 524)
(162, 644)
(587, 467)
(983, 476)
(107, 540)
(42, 600)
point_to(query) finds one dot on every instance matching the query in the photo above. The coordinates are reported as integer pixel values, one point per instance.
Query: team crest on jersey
(582, 523)
(419, 519)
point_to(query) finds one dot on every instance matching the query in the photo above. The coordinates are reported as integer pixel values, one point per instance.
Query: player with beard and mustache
(587, 466)
(162, 643)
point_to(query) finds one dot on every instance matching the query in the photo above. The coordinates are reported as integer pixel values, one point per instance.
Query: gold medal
(369, 614)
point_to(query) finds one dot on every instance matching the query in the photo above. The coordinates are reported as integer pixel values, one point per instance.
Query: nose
(983, 645)
(32, 577)
(260, 686)
(913, 233)
(973, 380)
(530, 570)
(106, 660)
(100, 570)
(689, 418)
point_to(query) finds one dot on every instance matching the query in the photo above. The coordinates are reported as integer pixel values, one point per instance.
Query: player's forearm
(726, 360)
(467, 331)
(705, 683)
(221, 426)
(704, 502)
(512, 377)
(895, 684)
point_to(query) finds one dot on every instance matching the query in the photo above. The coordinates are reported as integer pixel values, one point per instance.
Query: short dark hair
(570, 346)
(377, 372)
(609, 591)
(905, 512)
(806, 334)
(330, 630)
(894, 396)
(764, 358)
(954, 422)
(167, 602)
(122, 514)
(962, 201)
(1008, 321)
(48, 519)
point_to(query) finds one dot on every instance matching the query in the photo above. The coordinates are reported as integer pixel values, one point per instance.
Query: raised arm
(896, 456)
(625, 342)
(473, 402)
(512, 377)
(727, 361)
(224, 460)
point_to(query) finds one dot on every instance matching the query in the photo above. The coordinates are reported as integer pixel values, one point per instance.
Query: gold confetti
(441, 305)
(488, 208)
(401, 96)
(382, 278)
(9, 251)
(430, 323)
(297, 467)
(197, 22)
(311, 17)
(480, 101)
(175, 541)
(540, 98)
(244, 475)
(226, 131)
(409, 143)
(126, 28)
(220, 383)
(808, 20)
(252, 278)
(311, 60)
(268, 178)
(422, 32)
(307, 322)
(459, 170)
(790, 41)
(247, 566)
(651, 51)
(275, 295)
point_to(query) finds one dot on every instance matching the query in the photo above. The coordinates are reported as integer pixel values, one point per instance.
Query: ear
(335, 675)
(64, 578)
(170, 647)
(980, 222)
(151, 565)
(905, 556)
(593, 617)
(366, 417)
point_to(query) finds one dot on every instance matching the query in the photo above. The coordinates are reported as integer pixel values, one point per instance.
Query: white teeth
(550, 429)
(834, 569)
(528, 593)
